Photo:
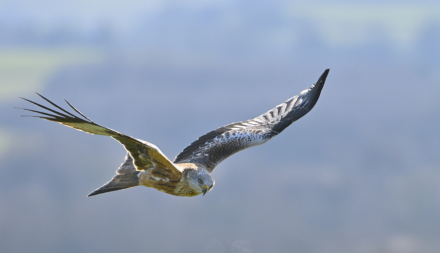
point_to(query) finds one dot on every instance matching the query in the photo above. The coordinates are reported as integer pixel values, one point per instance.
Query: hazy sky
(358, 174)
(339, 23)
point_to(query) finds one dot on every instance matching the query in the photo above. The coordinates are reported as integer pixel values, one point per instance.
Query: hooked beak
(207, 189)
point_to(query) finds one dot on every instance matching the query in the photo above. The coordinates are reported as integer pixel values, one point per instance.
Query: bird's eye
(200, 181)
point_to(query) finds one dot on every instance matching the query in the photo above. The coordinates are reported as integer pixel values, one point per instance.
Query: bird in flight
(190, 172)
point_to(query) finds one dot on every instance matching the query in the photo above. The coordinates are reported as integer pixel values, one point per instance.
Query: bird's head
(201, 181)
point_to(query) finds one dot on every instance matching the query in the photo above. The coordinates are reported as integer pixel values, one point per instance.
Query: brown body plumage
(171, 183)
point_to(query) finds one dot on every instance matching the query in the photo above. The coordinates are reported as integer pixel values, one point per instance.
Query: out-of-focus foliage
(360, 173)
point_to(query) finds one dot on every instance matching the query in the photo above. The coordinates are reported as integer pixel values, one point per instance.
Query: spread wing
(145, 155)
(214, 147)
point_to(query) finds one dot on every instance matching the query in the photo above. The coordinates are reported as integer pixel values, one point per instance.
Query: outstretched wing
(212, 148)
(145, 155)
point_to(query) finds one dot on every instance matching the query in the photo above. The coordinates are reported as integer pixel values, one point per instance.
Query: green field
(25, 70)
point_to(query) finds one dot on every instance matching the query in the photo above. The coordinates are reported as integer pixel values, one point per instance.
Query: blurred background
(358, 174)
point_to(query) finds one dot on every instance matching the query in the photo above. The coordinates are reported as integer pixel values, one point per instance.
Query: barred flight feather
(215, 146)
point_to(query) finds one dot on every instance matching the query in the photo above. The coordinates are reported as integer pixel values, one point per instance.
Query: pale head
(200, 181)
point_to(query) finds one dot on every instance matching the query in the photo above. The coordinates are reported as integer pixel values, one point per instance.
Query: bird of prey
(190, 172)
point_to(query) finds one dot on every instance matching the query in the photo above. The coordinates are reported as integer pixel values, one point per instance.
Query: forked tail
(126, 177)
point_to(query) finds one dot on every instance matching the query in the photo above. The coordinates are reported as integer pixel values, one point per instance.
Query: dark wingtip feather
(52, 103)
(98, 191)
(76, 110)
(314, 95)
(46, 108)
(318, 87)
(93, 194)
(311, 98)
(323, 77)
